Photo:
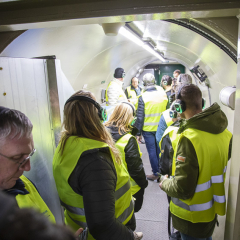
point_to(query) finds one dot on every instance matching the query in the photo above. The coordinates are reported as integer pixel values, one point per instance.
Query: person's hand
(139, 139)
(162, 178)
(78, 232)
(129, 100)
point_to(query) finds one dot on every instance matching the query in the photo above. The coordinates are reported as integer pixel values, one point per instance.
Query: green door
(167, 69)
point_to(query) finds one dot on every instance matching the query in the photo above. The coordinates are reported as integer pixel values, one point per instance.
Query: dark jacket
(184, 183)
(140, 114)
(95, 178)
(132, 88)
(167, 152)
(168, 96)
(132, 158)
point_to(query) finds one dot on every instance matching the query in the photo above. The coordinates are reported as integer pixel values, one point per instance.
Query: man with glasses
(16, 149)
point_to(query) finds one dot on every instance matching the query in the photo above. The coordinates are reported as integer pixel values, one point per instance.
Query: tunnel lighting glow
(130, 36)
(149, 49)
(139, 42)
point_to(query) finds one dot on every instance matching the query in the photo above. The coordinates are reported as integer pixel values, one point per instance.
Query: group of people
(98, 169)
(188, 147)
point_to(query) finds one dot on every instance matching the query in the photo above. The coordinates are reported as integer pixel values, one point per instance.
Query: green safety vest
(33, 200)
(121, 144)
(172, 131)
(63, 166)
(106, 96)
(209, 197)
(155, 103)
(167, 117)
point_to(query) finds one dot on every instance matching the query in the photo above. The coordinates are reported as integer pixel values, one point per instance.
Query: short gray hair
(14, 123)
(148, 79)
(183, 79)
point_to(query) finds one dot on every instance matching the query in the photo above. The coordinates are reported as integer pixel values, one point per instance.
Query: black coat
(95, 178)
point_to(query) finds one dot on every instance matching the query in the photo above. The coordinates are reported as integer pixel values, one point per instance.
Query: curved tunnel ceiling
(89, 57)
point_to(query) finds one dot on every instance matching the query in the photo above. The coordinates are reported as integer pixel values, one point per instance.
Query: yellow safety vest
(209, 197)
(155, 103)
(63, 166)
(106, 95)
(167, 117)
(121, 144)
(172, 131)
(33, 200)
(132, 96)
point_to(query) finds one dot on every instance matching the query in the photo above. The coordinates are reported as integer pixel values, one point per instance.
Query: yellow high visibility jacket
(132, 96)
(63, 166)
(121, 144)
(172, 131)
(155, 103)
(167, 117)
(209, 198)
(33, 200)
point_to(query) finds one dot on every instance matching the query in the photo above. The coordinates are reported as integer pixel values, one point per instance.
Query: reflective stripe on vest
(209, 198)
(33, 200)
(167, 117)
(63, 166)
(172, 131)
(121, 144)
(155, 103)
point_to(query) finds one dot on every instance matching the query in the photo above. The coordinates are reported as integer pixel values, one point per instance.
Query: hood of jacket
(114, 132)
(120, 83)
(150, 88)
(211, 120)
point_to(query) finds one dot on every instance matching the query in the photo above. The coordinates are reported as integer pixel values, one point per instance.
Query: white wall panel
(25, 84)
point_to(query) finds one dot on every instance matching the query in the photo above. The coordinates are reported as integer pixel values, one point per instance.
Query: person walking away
(149, 109)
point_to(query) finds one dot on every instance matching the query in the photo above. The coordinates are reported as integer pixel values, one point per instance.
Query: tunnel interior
(86, 58)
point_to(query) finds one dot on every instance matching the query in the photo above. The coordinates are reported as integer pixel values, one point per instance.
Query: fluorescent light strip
(139, 42)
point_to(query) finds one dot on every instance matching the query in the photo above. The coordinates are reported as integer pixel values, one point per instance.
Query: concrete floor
(152, 218)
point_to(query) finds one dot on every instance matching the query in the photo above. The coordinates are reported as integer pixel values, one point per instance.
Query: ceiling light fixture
(126, 33)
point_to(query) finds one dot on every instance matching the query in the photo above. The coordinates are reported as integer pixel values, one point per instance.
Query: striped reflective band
(126, 213)
(79, 223)
(75, 210)
(199, 207)
(150, 124)
(207, 185)
(121, 191)
(152, 115)
(133, 183)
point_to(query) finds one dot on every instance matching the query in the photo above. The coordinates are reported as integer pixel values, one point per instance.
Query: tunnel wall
(89, 57)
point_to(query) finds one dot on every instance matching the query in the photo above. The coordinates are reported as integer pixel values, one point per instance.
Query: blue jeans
(153, 150)
(187, 237)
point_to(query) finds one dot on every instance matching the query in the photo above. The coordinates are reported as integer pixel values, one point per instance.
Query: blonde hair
(81, 120)
(121, 117)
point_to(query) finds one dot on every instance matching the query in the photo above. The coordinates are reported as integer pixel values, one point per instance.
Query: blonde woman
(120, 126)
(92, 185)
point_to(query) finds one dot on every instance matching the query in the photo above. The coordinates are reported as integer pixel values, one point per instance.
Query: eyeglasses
(23, 161)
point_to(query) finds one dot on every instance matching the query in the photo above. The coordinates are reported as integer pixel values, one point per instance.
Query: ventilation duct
(111, 29)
